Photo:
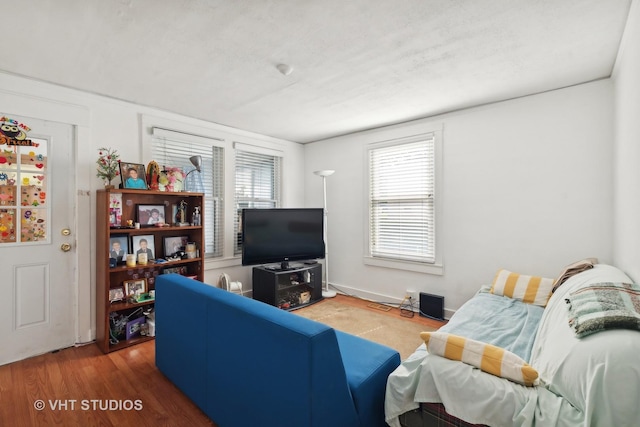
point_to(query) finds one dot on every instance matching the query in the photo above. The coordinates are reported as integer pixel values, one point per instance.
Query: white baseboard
(380, 298)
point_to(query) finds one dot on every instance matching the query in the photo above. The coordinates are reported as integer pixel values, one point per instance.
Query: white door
(37, 239)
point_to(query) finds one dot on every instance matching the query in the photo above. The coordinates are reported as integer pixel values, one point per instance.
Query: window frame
(400, 136)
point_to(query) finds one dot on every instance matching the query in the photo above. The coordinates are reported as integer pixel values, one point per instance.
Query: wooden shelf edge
(148, 230)
(128, 343)
(151, 192)
(154, 265)
(119, 306)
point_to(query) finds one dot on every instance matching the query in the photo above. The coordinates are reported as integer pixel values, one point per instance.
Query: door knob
(66, 232)
(66, 247)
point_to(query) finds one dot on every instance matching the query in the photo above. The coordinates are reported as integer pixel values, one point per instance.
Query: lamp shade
(196, 161)
(325, 172)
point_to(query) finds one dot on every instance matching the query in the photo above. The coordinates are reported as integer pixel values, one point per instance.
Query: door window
(24, 208)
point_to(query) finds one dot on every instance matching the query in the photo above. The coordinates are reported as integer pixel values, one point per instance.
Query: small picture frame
(118, 247)
(150, 215)
(143, 243)
(136, 286)
(115, 210)
(116, 294)
(134, 327)
(133, 175)
(174, 244)
(175, 270)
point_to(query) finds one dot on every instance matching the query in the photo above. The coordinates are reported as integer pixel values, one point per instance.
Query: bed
(588, 381)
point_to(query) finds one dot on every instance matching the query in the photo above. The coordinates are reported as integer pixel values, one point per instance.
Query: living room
(529, 184)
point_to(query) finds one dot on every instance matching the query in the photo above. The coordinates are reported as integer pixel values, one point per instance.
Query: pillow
(488, 358)
(529, 289)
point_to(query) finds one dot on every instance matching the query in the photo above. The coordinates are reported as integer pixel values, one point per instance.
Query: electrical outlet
(411, 293)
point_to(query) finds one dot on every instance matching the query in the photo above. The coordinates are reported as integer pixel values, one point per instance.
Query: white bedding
(598, 374)
(572, 371)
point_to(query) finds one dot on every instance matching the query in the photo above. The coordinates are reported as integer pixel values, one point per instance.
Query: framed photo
(118, 247)
(115, 209)
(150, 215)
(133, 175)
(134, 327)
(174, 244)
(116, 294)
(131, 287)
(143, 243)
(177, 270)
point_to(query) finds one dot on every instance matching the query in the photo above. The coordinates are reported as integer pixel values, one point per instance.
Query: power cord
(406, 307)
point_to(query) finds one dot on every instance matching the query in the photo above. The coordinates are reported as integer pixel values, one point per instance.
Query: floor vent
(379, 306)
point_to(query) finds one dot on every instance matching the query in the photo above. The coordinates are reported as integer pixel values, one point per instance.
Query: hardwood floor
(81, 386)
(393, 312)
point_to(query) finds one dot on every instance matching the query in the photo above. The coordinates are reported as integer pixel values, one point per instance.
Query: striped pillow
(488, 358)
(529, 289)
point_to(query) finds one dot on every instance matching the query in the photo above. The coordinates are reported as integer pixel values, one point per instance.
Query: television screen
(282, 235)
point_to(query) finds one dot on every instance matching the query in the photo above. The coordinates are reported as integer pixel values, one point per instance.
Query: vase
(109, 187)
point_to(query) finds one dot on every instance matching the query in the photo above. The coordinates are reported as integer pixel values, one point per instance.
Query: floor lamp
(326, 293)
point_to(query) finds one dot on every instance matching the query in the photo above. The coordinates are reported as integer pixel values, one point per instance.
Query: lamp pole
(326, 293)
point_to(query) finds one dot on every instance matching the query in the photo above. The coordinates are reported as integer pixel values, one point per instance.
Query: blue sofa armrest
(367, 364)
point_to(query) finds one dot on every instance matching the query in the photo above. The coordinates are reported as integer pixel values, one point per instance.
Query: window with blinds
(258, 177)
(401, 199)
(171, 148)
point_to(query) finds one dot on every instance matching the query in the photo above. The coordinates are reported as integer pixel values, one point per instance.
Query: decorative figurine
(181, 217)
(195, 218)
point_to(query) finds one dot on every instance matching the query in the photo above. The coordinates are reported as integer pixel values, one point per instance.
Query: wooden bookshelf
(122, 204)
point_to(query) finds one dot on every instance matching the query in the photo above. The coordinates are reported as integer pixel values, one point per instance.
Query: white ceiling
(358, 64)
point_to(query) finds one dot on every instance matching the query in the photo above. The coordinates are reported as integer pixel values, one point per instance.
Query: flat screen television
(281, 235)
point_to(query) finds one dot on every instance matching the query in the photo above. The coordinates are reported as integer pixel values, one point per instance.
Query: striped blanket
(603, 306)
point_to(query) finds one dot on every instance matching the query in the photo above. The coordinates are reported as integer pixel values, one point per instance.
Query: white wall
(104, 122)
(528, 184)
(626, 81)
(527, 187)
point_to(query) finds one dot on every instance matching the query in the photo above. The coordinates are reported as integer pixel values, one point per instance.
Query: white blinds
(170, 148)
(258, 181)
(402, 184)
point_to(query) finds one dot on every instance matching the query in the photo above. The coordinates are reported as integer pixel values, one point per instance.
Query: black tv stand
(289, 289)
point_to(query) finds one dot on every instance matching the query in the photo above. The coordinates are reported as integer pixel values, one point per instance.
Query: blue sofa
(246, 363)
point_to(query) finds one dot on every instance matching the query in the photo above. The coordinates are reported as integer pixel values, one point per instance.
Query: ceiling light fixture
(285, 69)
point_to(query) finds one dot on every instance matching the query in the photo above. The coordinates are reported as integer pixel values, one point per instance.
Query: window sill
(435, 269)
(215, 263)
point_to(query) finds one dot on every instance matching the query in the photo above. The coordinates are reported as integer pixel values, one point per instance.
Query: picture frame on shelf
(115, 210)
(174, 244)
(150, 215)
(133, 175)
(134, 327)
(135, 286)
(116, 294)
(177, 270)
(143, 243)
(118, 247)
